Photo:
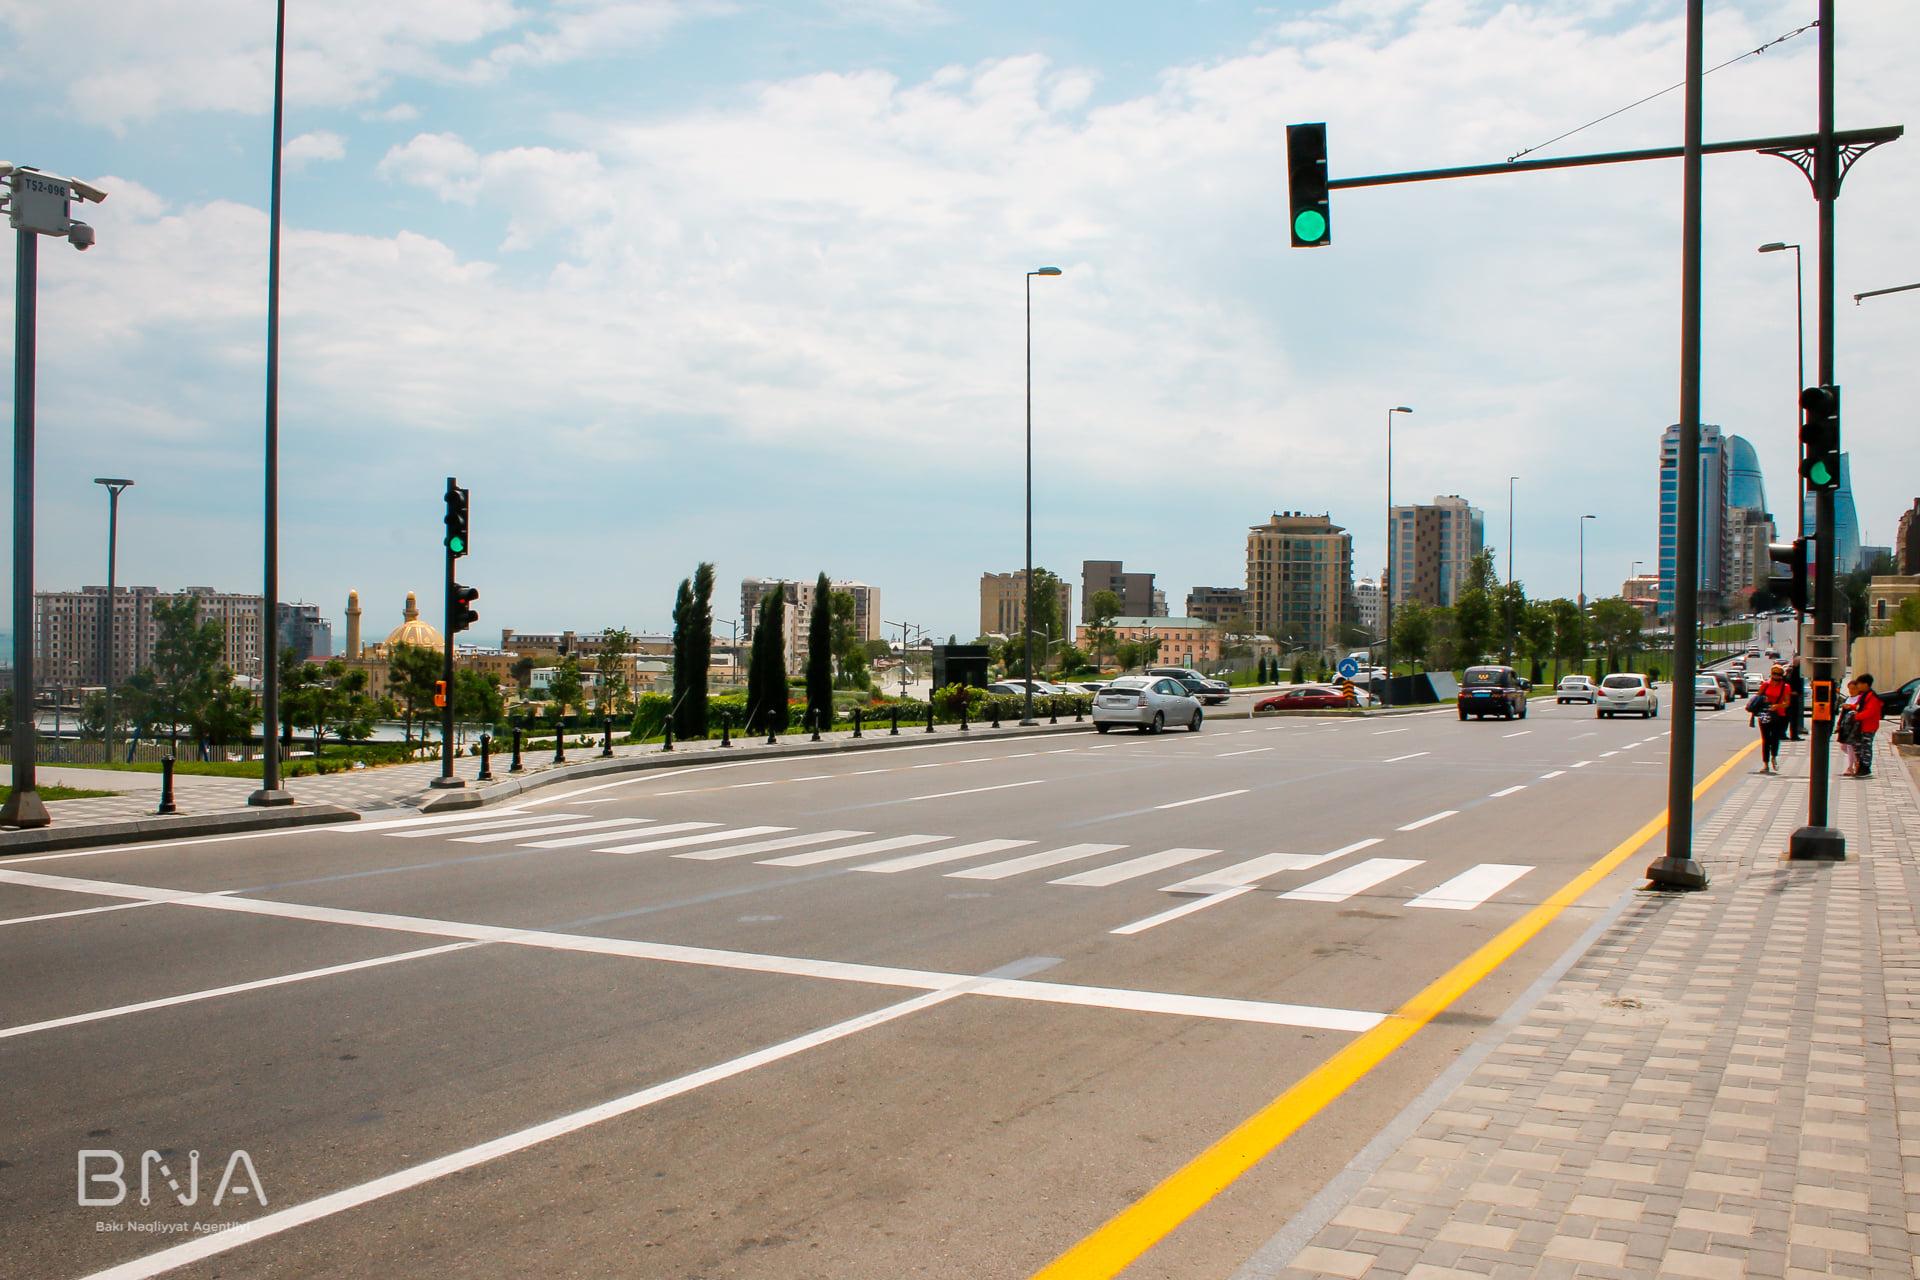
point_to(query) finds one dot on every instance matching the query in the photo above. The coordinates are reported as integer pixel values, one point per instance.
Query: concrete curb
(170, 827)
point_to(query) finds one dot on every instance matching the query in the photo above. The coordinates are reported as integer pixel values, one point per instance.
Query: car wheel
(1159, 722)
(1193, 726)
(1523, 711)
(1101, 728)
(1463, 714)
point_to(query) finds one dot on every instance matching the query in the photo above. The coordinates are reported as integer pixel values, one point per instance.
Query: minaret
(412, 610)
(353, 624)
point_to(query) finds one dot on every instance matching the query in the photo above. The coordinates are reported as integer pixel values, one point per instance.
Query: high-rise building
(1135, 590)
(1433, 547)
(1366, 605)
(69, 631)
(1219, 605)
(1003, 603)
(1906, 543)
(1749, 531)
(1871, 554)
(303, 632)
(1746, 487)
(1846, 519)
(1713, 514)
(1300, 578)
(800, 603)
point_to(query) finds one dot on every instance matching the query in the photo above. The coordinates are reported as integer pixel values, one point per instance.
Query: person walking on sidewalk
(1866, 723)
(1772, 701)
(1797, 707)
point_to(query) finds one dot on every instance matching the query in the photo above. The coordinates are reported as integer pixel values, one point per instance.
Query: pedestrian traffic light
(1307, 185)
(1787, 572)
(463, 614)
(1820, 437)
(456, 519)
(439, 693)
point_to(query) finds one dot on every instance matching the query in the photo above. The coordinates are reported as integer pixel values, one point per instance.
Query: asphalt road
(940, 1011)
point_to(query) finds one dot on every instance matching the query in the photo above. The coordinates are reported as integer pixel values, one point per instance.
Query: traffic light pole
(446, 778)
(1817, 840)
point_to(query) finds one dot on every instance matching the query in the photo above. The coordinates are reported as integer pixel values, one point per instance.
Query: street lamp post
(1386, 593)
(110, 625)
(1800, 368)
(1507, 605)
(36, 204)
(1583, 584)
(1026, 619)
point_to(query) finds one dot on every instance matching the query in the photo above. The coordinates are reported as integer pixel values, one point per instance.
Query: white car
(1709, 692)
(1148, 703)
(1574, 689)
(1623, 694)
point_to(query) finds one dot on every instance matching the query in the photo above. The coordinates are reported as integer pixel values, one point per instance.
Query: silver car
(1708, 692)
(1148, 703)
(1626, 694)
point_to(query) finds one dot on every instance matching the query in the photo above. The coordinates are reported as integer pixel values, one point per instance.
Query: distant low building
(1184, 642)
(1135, 591)
(1003, 602)
(1217, 604)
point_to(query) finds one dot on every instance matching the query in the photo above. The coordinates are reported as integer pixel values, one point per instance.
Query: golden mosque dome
(414, 631)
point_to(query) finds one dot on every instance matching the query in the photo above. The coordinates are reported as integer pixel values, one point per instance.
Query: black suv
(1210, 691)
(1493, 691)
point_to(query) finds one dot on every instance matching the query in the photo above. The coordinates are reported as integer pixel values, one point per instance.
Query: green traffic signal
(1818, 474)
(1309, 226)
(457, 545)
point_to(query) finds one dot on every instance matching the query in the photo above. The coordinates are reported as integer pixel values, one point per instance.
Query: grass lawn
(61, 793)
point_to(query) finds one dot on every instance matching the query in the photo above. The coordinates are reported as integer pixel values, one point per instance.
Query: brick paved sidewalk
(1725, 1084)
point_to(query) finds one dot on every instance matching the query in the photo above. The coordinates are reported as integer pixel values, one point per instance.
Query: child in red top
(1865, 705)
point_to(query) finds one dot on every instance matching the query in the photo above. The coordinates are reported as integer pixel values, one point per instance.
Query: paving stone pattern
(1727, 1084)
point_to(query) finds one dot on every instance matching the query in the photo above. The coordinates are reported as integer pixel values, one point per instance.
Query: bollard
(773, 730)
(726, 731)
(929, 715)
(166, 786)
(996, 714)
(606, 738)
(963, 716)
(486, 758)
(516, 766)
(814, 718)
(1053, 716)
(666, 735)
(856, 722)
(559, 740)
(1076, 710)
(895, 731)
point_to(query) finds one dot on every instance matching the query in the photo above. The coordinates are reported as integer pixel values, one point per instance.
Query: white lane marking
(83, 911)
(1123, 999)
(1186, 909)
(1034, 861)
(1021, 755)
(1382, 732)
(1358, 878)
(1579, 764)
(1509, 791)
(737, 786)
(1471, 887)
(1576, 737)
(601, 800)
(812, 777)
(1556, 773)
(524, 833)
(1255, 870)
(1605, 754)
(1146, 864)
(427, 1171)
(1249, 751)
(524, 820)
(437, 820)
(274, 834)
(1430, 819)
(665, 828)
(596, 837)
(973, 791)
(1058, 751)
(1415, 756)
(839, 852)
(645, 777)
(768, 846)
(935, 857)
(1630, 746)
(1218, 795)
(212, 993)
(681, 842)
(1523, 733)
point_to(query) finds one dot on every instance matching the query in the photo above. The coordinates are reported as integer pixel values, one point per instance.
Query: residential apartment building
(1433, 548)
(1135, 590)
(1184, 642)
(799, 615)
(1749, 533)
(1906, 542)
(1219, 605)
(1003, 602)
(1300, 578)
(70, 631)
(1366, 605)
(1714, 483)
(303, 632)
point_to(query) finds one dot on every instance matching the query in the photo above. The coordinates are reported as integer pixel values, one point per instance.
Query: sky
(664, 281)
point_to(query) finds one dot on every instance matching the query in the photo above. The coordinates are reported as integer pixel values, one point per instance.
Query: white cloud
(318, 145)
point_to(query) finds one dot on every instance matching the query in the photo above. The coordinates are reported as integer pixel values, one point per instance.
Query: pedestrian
(1770, 710)
(1866, 721)
(1797, 706)
(1845, 727)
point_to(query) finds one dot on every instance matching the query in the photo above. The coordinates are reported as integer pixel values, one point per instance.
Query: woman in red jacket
(1776, 697)
(1866, 723)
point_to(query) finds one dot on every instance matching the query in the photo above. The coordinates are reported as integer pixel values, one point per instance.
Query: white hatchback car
(1574, 689)
(1148, 703)
(1625, 694)
(1709, 692)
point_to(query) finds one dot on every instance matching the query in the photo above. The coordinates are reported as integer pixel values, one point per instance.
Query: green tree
(1617, 629)
(523, 672)
(566, 688)
(185, 669)
(412, 672)
(767, 667)
(303, 693)
(476, 696)
(693, 708)
(1046, 623)
(1510, 612)
(1569, 633)
(1905, 618)
(349, 711)
(820, 655)
(610, 664)
(1413, 630)
(1537, 635)
(228, 713)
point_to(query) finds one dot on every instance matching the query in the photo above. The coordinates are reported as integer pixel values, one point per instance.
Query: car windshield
(1486, 675)
(1622, 682)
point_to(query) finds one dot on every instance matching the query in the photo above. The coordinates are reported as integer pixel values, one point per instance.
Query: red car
(1305, 697)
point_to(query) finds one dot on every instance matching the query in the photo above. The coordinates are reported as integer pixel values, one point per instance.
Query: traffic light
(1307, 185)
(1820, 437)
(456, 519)
(463, 613)
(439, 693)
(1787, 572)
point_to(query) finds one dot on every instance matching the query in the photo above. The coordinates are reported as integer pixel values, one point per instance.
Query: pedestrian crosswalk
(1409, 882)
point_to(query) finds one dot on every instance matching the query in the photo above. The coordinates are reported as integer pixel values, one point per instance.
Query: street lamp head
(1776, 246)
(1589, 517)
(1045, 271)
(1400, 409)
(114, 484)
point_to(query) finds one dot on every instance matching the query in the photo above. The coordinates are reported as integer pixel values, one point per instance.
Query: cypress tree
(767, 666)
(682, 642)
(820, 656)
(699, 655)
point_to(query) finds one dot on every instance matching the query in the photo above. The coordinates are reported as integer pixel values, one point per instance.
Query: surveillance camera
(80, 235)
(86, 190)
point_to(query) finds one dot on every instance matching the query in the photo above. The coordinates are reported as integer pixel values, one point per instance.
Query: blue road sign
(1348, 668)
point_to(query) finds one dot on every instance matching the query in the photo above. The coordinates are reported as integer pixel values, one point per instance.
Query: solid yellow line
(1131, 1232)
